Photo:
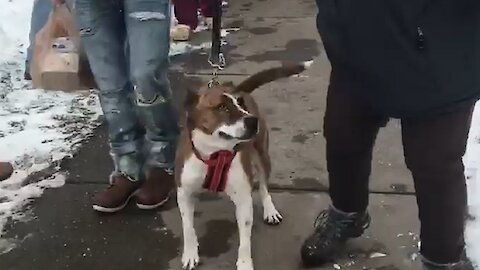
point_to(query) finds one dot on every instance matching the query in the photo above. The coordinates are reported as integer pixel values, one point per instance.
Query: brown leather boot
(156, 190)
(6, 170)
(116, 196)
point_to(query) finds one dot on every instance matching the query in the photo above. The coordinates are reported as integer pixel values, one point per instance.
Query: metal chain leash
(216, 58)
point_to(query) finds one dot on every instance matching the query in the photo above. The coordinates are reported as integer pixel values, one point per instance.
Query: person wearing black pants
(418, 61)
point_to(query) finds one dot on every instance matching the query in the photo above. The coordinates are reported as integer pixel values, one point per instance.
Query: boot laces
(331, 227)
(114, 180)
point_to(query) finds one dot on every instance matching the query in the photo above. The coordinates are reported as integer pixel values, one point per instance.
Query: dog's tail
(270, 75)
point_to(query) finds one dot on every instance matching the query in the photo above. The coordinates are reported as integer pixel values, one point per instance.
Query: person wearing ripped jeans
(40, 11)
(127, 43)
(417, 61)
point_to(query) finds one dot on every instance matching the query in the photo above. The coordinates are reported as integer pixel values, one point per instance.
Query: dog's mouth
(226, 136)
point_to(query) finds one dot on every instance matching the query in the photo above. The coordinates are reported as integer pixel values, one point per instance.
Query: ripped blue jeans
(40, 11)
(127, 43)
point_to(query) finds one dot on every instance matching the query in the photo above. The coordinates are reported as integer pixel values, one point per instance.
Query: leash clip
(216, 59)
(214, 81)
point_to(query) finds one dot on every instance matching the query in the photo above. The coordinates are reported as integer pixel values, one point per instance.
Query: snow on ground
(472, 169)
(37, 128)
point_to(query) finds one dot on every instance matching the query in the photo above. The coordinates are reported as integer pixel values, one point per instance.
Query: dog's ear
(191, 98)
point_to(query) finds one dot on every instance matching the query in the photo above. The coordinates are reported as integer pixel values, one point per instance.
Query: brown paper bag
(58, 62)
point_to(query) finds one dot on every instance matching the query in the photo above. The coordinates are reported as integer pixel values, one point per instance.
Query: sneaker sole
(152, 206)
(103, 209)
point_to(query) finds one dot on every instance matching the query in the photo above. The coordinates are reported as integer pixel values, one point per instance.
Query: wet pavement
(67, 234)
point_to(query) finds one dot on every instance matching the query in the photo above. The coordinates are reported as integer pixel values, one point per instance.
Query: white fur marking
(235, 102)
(191, 182)
(308, 64)
(186, 204)
(207, 144)
(270, 213)
(236, 130)
(239, 189)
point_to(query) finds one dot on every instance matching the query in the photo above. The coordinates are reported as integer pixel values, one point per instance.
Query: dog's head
(222, 112)
(228, 112)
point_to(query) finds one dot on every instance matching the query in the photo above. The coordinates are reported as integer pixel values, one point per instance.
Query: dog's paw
(245, 264)
(271, 216)
(190, 259)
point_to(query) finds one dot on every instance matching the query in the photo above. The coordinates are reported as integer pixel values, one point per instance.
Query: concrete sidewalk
(67, 234)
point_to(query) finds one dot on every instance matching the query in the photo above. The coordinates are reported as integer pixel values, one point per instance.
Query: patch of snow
(413, 256)
(37, 128)
(224, 32)
(177, 48)
(472, 171)
(377, 255)
(15, 197)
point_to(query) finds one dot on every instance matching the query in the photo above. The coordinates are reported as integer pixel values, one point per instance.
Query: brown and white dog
(224, 147)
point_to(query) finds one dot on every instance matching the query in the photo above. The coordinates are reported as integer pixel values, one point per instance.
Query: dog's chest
(195, 171)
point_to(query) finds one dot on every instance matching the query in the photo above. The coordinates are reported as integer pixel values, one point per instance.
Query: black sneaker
(27, 76)
(332, 229)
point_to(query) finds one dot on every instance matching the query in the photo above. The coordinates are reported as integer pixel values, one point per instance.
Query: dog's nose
(251, 123)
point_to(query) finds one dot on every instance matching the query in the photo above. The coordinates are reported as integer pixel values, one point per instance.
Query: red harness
(218, 165)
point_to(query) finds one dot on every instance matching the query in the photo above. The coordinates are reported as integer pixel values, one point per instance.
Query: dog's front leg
(244, 212)
(186, 204)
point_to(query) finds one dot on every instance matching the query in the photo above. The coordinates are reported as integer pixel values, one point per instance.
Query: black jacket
(405, 57)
